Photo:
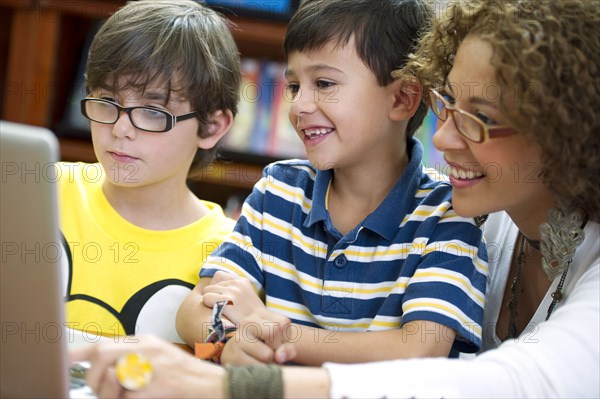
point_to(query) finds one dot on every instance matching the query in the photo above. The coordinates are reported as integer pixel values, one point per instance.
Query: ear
(219, 124)
(407, 93)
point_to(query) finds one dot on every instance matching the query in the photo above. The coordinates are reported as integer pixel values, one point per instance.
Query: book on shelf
(238, 138)
(261, 131)
(262, 128)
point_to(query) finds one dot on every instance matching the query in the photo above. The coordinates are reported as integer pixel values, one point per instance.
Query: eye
(324, 84)
(486, 119)
(153, 113)
(292, 89)
(449, 99)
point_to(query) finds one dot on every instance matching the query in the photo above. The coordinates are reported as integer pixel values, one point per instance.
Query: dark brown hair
(160, 41)
(384, 31)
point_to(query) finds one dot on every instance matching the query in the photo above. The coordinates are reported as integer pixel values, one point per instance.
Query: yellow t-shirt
(122, 279)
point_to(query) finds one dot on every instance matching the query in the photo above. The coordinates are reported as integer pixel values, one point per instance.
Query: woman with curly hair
(516, 86)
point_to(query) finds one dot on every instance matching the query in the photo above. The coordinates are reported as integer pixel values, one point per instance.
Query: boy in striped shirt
(358, 246)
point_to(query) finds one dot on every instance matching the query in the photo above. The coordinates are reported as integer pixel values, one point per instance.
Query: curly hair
(548, 52)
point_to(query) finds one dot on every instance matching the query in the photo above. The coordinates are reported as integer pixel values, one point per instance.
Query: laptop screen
(33, 361)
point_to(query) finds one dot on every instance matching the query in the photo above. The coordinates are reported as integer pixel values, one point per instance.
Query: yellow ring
(134, 371)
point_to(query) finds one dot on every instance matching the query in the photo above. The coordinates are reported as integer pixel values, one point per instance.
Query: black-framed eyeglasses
(144, 118)
(467, 124)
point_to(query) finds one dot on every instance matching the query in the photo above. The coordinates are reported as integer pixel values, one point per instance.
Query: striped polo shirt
(413, 258)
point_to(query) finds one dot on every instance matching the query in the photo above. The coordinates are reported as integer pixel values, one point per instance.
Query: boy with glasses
(359, 245)
(162, 85)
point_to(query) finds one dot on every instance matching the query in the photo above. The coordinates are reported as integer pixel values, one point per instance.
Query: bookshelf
(42, 42)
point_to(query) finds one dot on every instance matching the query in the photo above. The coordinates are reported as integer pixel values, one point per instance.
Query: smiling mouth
(462, 174)
(316, 133)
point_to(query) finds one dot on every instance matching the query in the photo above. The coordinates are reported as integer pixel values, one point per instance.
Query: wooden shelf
(231, 174)
(94, 9)
(259, 38)
(253, 36)
(42, 41)
(74, 150)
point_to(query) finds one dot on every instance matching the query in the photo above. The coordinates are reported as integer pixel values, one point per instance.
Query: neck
(356, 193)
(372, 180)
(529, 219)
(155, 207)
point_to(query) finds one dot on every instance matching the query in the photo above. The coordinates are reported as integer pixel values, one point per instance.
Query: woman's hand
(228, 287)
(175, 373)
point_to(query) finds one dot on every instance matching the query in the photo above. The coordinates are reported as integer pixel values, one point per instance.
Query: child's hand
(228, 287)
(261, 338)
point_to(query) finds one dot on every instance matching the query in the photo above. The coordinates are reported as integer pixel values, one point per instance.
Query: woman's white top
(559, 357)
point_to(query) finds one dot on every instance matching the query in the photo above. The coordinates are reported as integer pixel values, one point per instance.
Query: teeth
(317, 132)
(464, 174)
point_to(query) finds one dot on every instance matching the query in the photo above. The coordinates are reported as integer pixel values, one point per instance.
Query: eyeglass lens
(438, 106)
(142, 118)
(465, 124)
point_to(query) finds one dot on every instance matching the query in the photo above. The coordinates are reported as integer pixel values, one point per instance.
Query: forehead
(145, 86)
(472, 66)
(340, 57)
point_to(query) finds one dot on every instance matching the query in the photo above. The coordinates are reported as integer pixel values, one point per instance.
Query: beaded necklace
(515, 290)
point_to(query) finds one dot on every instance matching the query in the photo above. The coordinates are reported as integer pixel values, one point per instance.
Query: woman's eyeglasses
(467, 124)
(144, 118)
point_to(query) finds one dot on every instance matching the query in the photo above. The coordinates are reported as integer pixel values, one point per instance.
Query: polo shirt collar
(388, 216)
(318, 212)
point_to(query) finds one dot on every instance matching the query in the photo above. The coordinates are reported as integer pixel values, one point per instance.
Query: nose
(123, 127)
(447, 136)
(303, 102)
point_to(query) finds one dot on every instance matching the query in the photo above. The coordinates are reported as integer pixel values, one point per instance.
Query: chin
(321, 164)
(468, 209)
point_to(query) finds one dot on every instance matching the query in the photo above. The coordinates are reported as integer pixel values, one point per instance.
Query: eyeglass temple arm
(500, 131)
